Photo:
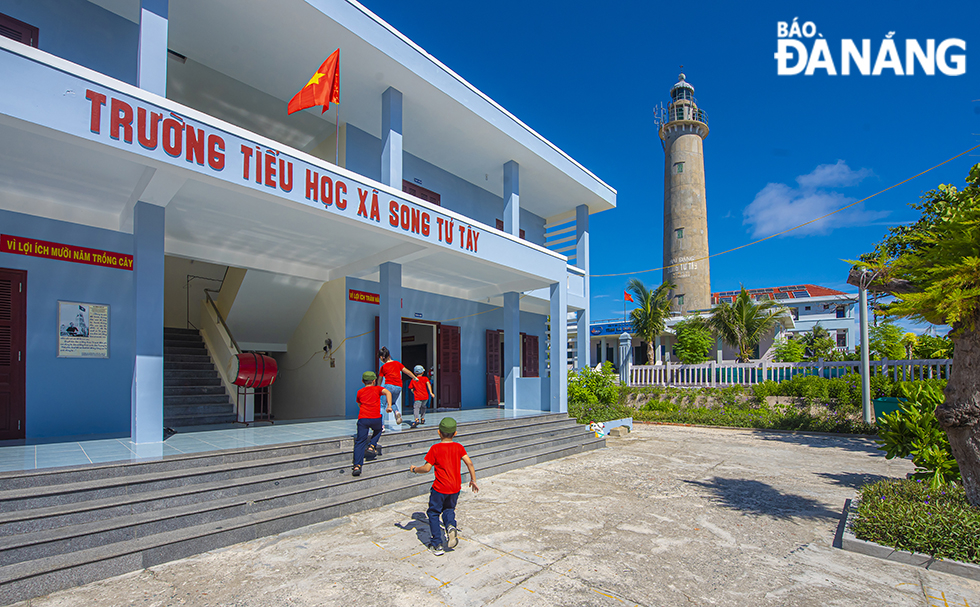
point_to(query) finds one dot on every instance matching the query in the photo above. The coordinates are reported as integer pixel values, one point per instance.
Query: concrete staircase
(65, 527)
(192, 391)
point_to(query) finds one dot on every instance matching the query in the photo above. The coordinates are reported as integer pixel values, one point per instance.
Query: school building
(152, 184)
(806, 307)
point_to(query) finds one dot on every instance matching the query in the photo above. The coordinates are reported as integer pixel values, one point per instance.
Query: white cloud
(778, 206)
(832, 175)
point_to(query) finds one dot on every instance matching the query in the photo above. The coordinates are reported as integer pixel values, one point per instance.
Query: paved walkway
(666, 516)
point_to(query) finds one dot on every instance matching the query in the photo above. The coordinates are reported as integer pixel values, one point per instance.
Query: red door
(13, 357)
(493, 368)
(529, 364)
(450, 380)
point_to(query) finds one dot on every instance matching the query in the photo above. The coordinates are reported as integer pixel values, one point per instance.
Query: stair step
(171, 351)
(22, 580)
(169, 365)
(187, 358)
(191, 421)
(195, 389)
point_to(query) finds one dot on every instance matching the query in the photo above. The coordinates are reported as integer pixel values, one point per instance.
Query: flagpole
(336, 160)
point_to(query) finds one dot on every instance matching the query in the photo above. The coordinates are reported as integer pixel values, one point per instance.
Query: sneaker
(436, 549)
(452, 536)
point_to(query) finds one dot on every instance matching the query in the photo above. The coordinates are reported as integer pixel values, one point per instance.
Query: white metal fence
(714, 374)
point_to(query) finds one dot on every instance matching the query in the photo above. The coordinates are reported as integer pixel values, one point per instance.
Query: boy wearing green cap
(445, 456)
(368, 418)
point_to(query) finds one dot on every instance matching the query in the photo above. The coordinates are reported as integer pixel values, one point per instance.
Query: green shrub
(788, 350)
(914, 430)
(766, 388)
(899, 387)
(881, 386)
(845, 391)
(590, 386)
(911, 515)
(808, 387)
(663, 406)
(586, 413)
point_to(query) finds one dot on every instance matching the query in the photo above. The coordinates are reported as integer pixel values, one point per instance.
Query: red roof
(791, 292)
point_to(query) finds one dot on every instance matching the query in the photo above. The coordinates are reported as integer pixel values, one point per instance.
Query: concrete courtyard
(668, 515)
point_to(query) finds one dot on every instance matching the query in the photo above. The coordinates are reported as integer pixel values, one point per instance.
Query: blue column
(512, 348)
(151, 74)
(582, 261)
(390, 315)
(557, 349)
(147, 399)
(512, 198)
(391, 139)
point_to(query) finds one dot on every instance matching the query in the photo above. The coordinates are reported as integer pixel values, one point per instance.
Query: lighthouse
(683, 127)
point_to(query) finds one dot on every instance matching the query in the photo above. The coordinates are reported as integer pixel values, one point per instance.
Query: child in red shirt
(421, 388)
(445, 457)
(368, 418)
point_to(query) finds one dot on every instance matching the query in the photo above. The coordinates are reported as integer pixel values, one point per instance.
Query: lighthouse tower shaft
(683, 127)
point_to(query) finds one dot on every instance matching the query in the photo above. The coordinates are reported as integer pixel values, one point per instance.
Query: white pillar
(391, 138)
(559, 342)
(582, 261)
(146, 422)
(151, 69)
(512, 348)
(512, 198)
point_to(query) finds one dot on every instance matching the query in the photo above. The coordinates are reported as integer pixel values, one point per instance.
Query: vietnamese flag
(627, 297)
(322, 89)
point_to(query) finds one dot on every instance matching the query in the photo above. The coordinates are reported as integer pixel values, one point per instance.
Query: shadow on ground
(420, 523)
(849, 442)
(754, 497)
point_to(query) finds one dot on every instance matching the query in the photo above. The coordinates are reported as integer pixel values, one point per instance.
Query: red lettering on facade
(362, 207)
(285, 175)
(173, 142)
(312, 179)
(270, 169)
(98, 100)
(425, 224)
(216, 152)
(195, 145)
(147, 134)
(326, 191)
(341, 202)
(393, 213)
(246, 160)
(416, 217)
(121, 115)
(375, 212)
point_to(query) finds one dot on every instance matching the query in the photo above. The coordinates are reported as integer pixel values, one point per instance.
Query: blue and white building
(148, 155)
(806, 307)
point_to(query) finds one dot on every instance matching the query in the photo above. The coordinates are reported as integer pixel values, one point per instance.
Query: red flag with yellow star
(322, 89)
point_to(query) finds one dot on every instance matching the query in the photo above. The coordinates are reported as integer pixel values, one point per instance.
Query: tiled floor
(198, 439)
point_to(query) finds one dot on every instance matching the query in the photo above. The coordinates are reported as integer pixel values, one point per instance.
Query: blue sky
(782, 149)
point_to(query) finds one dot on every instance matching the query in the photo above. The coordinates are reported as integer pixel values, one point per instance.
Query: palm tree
(650, 318)
(743, 323)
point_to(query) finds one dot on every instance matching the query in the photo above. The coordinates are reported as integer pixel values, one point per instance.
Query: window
(419, 192)
(678, 167)
(807, 308)
(826, 306)
(795, 312)
(500, 226)
(840, 311)
(680, 300)
(679, 232)
(841, 338)
(18, 30)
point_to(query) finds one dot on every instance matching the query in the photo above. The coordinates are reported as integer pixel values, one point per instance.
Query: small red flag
(322, 89)
(627, 296)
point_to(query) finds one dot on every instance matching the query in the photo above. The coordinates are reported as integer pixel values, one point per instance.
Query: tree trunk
(959, 416)
(650, 351)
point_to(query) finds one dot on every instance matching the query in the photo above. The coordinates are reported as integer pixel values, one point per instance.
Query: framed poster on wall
(83, 330)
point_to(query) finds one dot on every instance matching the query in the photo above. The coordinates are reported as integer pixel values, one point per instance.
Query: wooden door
(450, 377)
(13, 355)
(493, 368)
(530, 358)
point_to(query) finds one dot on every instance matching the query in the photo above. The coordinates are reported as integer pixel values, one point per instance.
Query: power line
(749, 244)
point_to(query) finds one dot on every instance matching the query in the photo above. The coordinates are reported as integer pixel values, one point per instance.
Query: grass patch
(908, 515)
(756, 415)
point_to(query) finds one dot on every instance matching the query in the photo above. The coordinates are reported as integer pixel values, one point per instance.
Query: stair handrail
(221, 319)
